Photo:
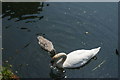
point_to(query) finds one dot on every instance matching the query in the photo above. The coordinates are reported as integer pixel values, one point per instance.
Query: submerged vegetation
(7, 73)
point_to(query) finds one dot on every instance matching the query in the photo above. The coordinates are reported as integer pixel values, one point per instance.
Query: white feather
(79, 57)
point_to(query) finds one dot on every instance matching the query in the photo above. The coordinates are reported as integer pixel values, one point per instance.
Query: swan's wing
(85, 52)
(76, 59)
(79, 57)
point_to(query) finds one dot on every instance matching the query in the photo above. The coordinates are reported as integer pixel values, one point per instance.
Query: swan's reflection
(56, 73)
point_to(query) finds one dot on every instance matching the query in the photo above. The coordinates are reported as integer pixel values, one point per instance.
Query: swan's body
(74, 59)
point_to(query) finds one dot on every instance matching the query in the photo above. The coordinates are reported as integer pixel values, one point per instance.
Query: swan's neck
(60, 60)
(63, 59)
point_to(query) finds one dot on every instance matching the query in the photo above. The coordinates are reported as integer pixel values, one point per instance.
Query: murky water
(70, 26)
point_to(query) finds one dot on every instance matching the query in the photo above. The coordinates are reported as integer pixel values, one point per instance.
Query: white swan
(74, 59)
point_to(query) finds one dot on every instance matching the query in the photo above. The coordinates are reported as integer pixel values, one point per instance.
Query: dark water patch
(30, 21)
(27, 45)
(41, 17)
(7, 27)
(29, 30)
(47, 4)
(22, 10)
(117, 53)
(23, 28)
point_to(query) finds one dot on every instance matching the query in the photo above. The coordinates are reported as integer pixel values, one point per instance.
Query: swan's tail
(96, 50)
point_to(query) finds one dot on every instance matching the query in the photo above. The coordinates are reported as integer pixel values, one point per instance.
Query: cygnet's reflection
(56, 73)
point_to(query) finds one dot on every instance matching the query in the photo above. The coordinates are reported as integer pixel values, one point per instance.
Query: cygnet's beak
(52, 62)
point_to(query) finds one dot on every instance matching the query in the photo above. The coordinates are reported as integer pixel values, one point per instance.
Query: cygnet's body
(46, 44)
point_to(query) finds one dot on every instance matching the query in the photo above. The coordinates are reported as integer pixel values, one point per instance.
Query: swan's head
(57, 58)
(58, 55)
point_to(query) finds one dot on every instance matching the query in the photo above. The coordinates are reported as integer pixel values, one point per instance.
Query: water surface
(70, 26)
